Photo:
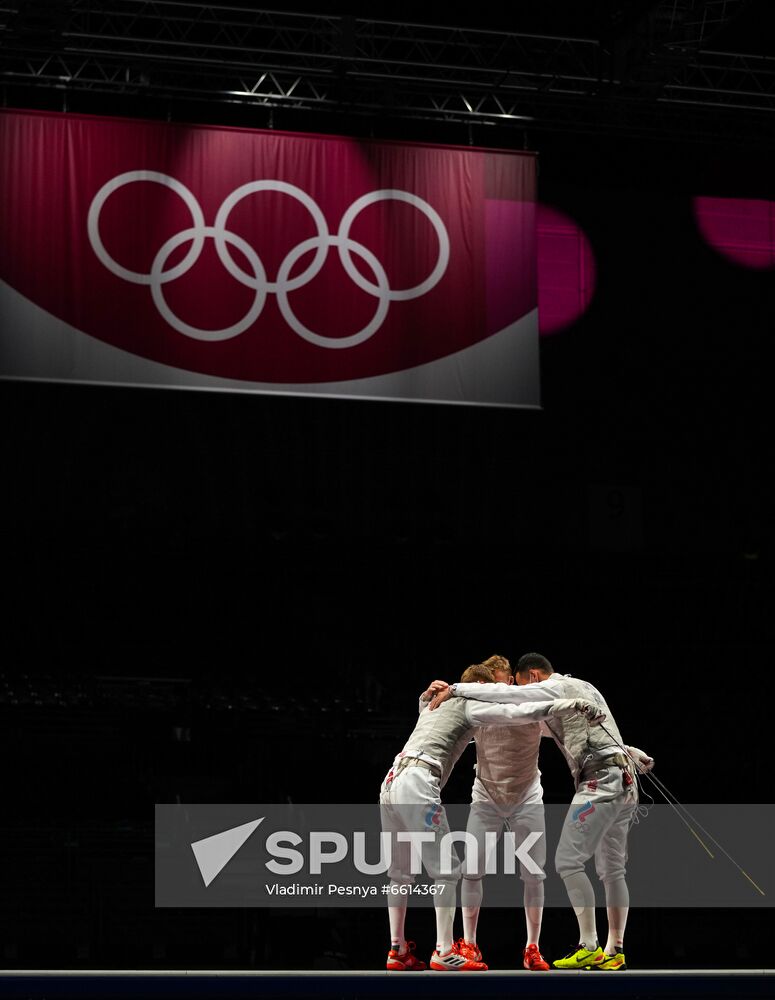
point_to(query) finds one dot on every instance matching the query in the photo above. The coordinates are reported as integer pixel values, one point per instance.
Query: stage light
(566, 270)
(740, 229)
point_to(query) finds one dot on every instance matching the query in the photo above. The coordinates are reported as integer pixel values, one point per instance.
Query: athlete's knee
(611, 872)
(570, 871)
(401, 878)
(567, 863)
(532, 864)
(532, 878)
(533, 893)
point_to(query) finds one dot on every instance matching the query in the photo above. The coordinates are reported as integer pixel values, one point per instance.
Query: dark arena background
(218, 597)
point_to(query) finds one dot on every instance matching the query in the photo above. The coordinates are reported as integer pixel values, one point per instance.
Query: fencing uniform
(410, 796)
(507, 787)
(601, 812)
(598, 821)
(507, 792)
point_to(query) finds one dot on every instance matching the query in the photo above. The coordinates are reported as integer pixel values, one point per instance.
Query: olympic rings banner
(147, 253)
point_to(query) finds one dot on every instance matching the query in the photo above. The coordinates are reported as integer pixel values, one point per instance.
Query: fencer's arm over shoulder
(507, 694)
(481, 714)
(430, 692)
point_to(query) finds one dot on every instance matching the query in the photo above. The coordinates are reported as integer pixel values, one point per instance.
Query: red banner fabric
(162, 254)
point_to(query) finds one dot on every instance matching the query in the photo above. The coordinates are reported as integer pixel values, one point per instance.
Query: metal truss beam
(650, 72)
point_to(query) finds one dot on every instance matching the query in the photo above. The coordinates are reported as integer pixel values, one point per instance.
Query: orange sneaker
(404, 961)
(469, 949)
(533, 960)
(455, 961)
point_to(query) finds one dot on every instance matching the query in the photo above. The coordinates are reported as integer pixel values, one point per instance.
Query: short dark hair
(534, 661)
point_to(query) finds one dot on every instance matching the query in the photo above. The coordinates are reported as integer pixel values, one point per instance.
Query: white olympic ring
(198, 232)
(158, 278)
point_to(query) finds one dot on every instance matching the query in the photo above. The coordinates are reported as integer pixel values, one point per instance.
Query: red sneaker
(404, 961)
(469, 949)
(533, 960)
(455, 961)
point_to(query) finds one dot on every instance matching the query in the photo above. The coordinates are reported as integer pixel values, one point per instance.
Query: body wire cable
(677, 807)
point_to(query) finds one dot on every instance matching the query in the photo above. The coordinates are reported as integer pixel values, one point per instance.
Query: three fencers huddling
(507, 720)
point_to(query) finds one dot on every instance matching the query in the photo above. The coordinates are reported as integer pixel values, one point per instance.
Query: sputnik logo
(214, 853)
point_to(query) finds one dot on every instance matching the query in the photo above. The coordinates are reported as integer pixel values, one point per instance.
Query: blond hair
(477, 672)
(497, 663)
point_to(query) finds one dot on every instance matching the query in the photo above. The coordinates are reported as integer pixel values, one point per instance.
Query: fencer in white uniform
(506, 794)
(601, 812)
(410, 800)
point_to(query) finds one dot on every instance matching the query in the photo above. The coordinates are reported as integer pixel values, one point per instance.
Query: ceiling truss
(651, 71)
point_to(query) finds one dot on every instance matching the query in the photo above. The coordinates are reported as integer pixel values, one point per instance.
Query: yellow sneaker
(582, 958)
(614, 963)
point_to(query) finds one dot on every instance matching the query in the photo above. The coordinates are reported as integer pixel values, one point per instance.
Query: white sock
(445, 920)
(397, 917)
(470, 920)
(582, 898)
(617, 899)
(471, 895)
(534, 910)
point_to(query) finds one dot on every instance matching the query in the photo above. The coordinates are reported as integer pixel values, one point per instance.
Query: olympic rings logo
(283, 284)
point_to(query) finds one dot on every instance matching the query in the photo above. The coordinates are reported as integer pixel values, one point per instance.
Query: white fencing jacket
(582, 745)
